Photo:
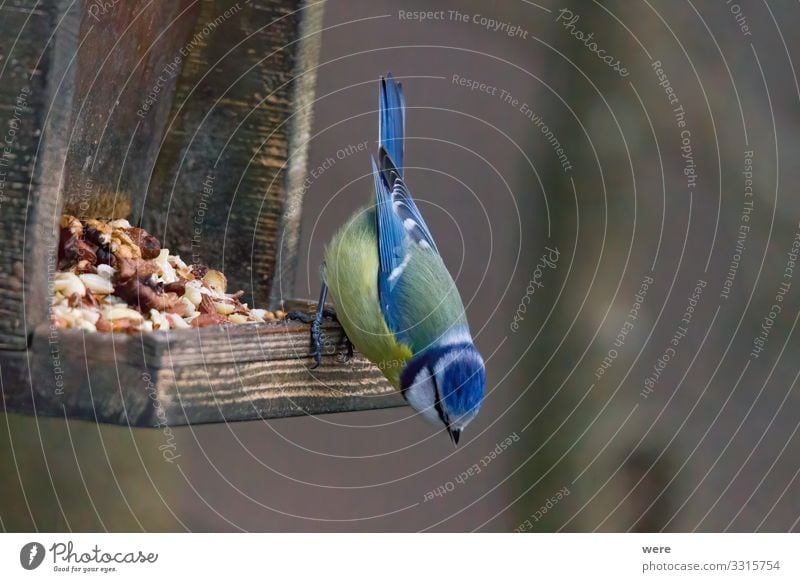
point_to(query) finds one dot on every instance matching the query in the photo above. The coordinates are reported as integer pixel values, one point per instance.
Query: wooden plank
(228, 185)
(14, 384)
(219, 374)
(272, 389)
(91, 376)
(126, 70)
(305, 78)
(33, 136)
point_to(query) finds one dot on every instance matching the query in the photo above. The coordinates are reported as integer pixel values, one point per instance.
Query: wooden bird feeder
(190, 118)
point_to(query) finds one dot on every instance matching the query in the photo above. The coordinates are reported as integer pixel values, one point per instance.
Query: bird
(393, 295)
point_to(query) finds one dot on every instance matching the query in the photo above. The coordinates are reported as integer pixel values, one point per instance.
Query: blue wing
(392, 246)
(403, 204)
(391, 137)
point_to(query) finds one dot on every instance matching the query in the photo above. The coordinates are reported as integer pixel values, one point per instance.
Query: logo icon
(31, 555)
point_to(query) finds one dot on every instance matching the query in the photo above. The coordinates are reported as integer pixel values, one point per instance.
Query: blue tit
(393, 295)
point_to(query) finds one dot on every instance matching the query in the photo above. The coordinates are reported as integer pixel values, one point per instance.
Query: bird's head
(445, 384)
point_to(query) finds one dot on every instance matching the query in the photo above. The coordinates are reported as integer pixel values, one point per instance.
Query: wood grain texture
(220, 374)
(14, 383)
(73, 137)
(305, 77)
(35, 90)
(190, 116)
(126, 68)
(213, 163)
(219, 193)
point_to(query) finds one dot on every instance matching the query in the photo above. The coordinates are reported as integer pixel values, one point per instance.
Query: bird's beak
(455, 434)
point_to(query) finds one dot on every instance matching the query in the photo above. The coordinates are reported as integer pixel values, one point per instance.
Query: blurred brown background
(712, 446)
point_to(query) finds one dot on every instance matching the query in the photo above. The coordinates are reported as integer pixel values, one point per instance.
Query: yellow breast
(351, 273)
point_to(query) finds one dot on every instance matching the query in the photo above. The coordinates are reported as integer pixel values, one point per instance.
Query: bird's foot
(329, 313)
(316, 331)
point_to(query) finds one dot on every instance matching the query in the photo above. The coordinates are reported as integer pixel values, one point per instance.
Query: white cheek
(421, 395)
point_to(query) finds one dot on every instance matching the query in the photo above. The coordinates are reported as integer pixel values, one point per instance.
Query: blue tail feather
(391, 132)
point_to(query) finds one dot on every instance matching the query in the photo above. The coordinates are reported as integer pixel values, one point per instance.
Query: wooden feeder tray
(213, 161)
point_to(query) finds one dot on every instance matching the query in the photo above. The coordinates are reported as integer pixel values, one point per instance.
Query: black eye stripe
(438, 400)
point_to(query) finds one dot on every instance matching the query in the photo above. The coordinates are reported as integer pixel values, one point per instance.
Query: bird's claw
(316, 332)
(328, 313)
(348, 356)
(331, 314)
(298, 315)
(316, 342)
